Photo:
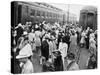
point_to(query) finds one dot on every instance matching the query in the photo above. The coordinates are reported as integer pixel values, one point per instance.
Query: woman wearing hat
(73, 43)
(24, 58)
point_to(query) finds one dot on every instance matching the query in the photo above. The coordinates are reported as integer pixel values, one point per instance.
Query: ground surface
(83, 57)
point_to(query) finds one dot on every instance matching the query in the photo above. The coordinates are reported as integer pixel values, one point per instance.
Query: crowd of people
(57, 46)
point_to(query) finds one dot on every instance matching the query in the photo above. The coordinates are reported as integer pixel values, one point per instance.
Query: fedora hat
(56, 52)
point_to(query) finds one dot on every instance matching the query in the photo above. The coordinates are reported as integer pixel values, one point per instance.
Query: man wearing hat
(45, 47)
(58, 63)
(24, 58)
(19, 30)
(72, 65)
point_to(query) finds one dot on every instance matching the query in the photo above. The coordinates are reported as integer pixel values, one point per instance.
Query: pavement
(36, 64)
(83, 56)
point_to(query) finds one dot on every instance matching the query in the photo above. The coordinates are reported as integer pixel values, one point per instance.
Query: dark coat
(19, 33)
(92, 64)
(58, 63)
(45, 49)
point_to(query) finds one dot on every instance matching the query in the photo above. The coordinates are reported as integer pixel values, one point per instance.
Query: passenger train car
(88, 17)
(21, 12)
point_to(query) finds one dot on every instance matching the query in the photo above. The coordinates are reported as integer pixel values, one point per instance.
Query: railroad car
(21, 12)
(88, 17)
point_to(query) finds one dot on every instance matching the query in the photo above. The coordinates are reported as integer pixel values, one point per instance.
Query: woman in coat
(73, 43)
(63, 49)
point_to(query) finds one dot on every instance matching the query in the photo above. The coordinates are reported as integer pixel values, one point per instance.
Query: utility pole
(68, 14)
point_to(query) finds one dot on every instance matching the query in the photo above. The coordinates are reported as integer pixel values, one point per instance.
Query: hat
(53, 38)
(25, 33)
(36, 26)
(19, 24)
(57, 52)
(26, 51)
(47, 36)
(71, 56)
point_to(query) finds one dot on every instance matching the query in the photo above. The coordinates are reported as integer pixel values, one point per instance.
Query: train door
(19, 13)
(13, 14)
(90, 20)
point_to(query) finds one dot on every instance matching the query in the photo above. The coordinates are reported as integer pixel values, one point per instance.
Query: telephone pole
(68, 14)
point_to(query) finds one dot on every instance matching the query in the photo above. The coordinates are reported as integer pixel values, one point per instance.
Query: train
(21, 12)
(88, 17)
(36, 12)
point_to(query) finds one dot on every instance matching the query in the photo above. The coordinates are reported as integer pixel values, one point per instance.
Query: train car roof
(89, 9)
(38, 4)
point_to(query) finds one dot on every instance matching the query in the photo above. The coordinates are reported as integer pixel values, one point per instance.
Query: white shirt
(31, 36)
(63, 49)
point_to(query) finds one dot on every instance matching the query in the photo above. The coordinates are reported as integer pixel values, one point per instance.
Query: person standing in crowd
(72, 65)
(38, 41)
(73, 43)
(63, 49)
(31, 37)
(45, 47)
(87, 37)
(58, 63)
(26, 27)
(67, 38)
(59, 38)
(92, 62)
(14, 38)
(92, 44)
(82, 41)
(78, 37)
(19, 30)
(54, 42)
(51, 48)
(25, 59)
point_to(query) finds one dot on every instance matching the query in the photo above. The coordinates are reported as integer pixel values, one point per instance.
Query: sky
(73, 8)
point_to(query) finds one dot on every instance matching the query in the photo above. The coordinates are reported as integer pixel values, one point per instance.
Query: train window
(54, 15)
(51, 14)
(32, 12)
(58, 16)
(38, 13)
(43, 14)
(47, 14)
(19, 13)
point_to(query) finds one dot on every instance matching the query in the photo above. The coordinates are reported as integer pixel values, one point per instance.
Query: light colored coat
(27, 68)
(63, 49)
